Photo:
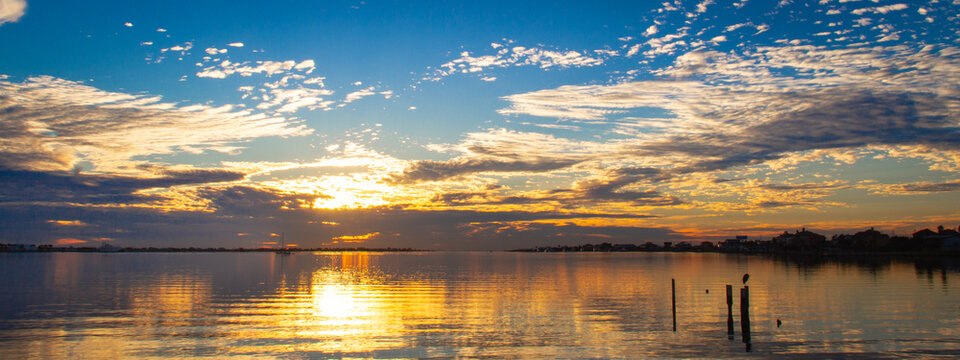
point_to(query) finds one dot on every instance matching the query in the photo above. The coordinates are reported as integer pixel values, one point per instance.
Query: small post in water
(730, 311)
(673, 293)
(745, 314)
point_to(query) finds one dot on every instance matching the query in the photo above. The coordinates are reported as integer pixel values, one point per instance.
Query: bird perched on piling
(745, 278)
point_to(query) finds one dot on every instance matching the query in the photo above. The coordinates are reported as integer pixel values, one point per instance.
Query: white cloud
(889, 37)
(291, 100)
(161, 30)
(236, 44)
(702, 6)
(227, 68)
(359, 94)
(60, 122)
(880, 9)
(215, 51)
(667, 44)
(12, 10)
(128, 24)
(650, 31)
(315, 81)
(515, 56)
(182, 48)
(307, 65)
(760, 28)
(146, 43)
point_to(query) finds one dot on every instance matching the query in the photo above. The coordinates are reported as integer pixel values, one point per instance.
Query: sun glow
(342, 198)
(341, 192)
(358, 182)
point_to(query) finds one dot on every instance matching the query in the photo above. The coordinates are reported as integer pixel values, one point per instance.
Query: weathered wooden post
(673, 295)
(745, 314)
(730, 311)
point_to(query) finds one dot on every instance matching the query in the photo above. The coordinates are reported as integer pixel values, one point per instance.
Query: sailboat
(283, 250)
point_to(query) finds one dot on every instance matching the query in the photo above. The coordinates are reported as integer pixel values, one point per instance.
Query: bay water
(470, 305)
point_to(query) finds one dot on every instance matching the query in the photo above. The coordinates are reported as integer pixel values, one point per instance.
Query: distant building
(943, 239)
(707, 246)
(18, 247)
(625, 247)
(802, 239)
(733, 245)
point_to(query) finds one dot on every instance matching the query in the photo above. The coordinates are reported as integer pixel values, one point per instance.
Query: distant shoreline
(828, 254)
(42, 249)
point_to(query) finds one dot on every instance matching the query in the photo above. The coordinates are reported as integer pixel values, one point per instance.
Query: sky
(474, 125)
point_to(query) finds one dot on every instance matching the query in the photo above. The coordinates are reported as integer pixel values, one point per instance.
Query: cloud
(359, 94)
(500, 151)
(69, 241)
(247, 68)
(256, 201)
(917, 188)
(650, 31)
(427, 170)
(235, 44)
(742, 111)
(215, 51)
(355, 239)
(65, 187)
(807, 186)
(52, 124)
(513, 56)
(12, 10)
(702, 6)
(291, 100)
(67, 222)
(615, 187)
(181, 48)
(880, 9)
(128, 24)
(594, 102)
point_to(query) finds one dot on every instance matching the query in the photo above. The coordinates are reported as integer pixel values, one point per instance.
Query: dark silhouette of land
(801, 242)
(940, 242)
(52, 248)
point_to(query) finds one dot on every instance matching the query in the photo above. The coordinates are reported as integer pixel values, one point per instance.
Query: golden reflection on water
(469, 304)
(347, 308)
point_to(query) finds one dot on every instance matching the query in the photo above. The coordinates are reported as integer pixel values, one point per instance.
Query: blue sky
(482, 125)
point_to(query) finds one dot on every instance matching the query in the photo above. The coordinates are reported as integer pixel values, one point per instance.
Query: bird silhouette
(745, 278)
(779, 322)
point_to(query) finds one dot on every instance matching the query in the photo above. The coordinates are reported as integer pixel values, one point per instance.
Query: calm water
(466, 305)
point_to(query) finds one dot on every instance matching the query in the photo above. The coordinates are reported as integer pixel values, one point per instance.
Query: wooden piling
(745, 313)
(730, 311)
(673, 295)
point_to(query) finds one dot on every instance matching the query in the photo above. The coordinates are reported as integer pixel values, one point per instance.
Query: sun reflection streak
(346, 306)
